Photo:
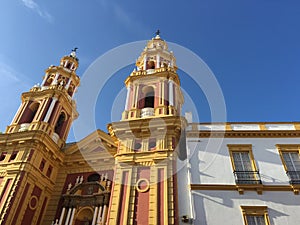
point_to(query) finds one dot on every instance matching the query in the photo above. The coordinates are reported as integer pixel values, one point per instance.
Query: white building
(244, 173)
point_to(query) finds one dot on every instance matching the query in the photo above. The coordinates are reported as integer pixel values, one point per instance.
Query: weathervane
(73, 53)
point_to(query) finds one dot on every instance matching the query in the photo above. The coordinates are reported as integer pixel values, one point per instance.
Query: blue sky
(252, 47)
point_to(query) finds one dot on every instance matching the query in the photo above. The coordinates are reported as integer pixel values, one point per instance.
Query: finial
(157, 35)
(73, 53)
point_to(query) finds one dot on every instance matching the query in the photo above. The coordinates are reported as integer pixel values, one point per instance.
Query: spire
(156, 55)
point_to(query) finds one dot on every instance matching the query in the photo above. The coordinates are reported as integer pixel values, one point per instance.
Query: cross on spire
(75, 49)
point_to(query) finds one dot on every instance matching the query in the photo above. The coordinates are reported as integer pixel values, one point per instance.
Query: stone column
(68, 84)
(95, 215)
(145, 62)
(99, 216)
(72, 217)
(127, 97)
(171, 93)
(55, 79)
(68, 216)
(158, 61)
(104, 214)
(47, 117)
(62, 216)
(45, 79)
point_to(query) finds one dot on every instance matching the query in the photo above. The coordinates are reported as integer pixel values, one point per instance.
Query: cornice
(259, 188)
(159, 72)
(32, 138)
(244, 134)
(141, 126)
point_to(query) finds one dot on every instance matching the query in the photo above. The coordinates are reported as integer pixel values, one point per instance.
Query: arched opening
(93, 177)
(146, 103)
(29, 113)
(150, 65)
(70, 90)
(69, 65)
(149, 98)
(60, 124)
(84, 217)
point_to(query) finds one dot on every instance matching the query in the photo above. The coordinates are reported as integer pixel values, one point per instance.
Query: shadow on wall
(231, 199)
(274, 214)
(202, 158)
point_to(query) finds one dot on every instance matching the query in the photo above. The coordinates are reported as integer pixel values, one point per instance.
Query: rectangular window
(49, 171)
(291, 160)
(255, 215)
(2, 156)
(13, 156)
(42, 165)
(244, 167)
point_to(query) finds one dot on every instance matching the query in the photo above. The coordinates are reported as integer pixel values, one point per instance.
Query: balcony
(247, 177)
(146, 112)
(150, 71)
(294, 177)
(24, 127)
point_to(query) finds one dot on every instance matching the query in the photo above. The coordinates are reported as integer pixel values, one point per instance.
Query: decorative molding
(241, 188)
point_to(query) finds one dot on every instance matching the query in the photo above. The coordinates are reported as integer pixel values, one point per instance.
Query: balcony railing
(247, 177)
(24, 127)
(147, 112)
(294, 177)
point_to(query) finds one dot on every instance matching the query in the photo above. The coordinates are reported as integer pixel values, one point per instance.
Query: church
(153, 167)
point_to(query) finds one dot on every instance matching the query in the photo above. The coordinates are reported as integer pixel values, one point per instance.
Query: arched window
(60, 123)
(150, 65)
(71, 90)
(149, 99)
(29, 113)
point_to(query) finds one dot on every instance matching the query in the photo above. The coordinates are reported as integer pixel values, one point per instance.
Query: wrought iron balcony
(294, 177)
(247, 177)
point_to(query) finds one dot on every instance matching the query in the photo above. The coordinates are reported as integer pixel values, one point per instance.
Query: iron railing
(247, 177)
(294, 177)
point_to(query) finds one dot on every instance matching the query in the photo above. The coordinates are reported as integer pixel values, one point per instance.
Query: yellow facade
(105, 178)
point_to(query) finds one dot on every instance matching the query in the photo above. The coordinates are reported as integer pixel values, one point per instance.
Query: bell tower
(49, 107)
(150, 140)
(31, 149)
(153, 89)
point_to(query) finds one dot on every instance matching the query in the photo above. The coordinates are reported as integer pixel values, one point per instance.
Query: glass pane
(242, 161)
(296, 160)
(292, 161)
(256, 220)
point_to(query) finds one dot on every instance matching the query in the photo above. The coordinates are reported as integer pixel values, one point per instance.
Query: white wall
(184, 193)
(223, 207)
(211, 164)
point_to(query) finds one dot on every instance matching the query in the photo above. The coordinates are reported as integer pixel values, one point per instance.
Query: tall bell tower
(31, 148)
(150, 140)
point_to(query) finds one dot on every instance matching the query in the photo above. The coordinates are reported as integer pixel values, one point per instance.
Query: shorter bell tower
(31, 149)
(49, 107)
